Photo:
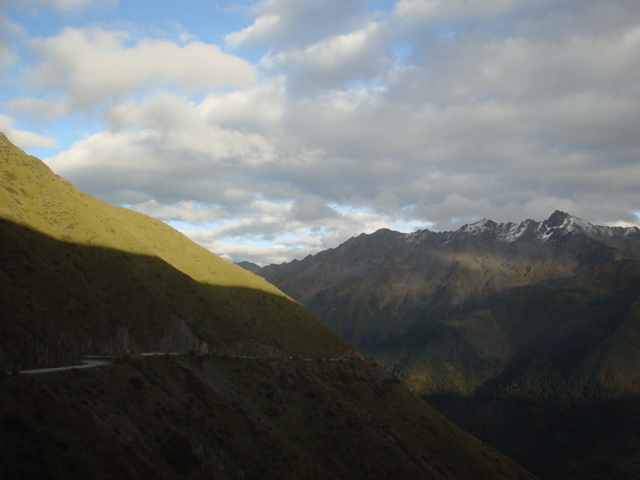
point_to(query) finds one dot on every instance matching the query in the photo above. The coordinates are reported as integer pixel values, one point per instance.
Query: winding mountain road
(89, 362)
(93, 361)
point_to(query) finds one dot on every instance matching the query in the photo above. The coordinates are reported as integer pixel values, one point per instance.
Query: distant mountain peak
(569, 223)
(558, 218)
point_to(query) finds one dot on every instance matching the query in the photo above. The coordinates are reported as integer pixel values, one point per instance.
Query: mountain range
(526, 334)
(241, 382)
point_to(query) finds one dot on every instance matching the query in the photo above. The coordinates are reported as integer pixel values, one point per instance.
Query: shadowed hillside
(76, 300)
(229, 418)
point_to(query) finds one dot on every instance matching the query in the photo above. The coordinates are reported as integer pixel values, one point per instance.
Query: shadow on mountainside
(568, 405)
(62, 301)
(597, 439)
(201, 417)
(558, 391)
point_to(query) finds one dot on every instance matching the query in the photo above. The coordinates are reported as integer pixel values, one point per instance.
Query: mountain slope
(228, 418)
(262, 390)
(111, 280)
(493, 317)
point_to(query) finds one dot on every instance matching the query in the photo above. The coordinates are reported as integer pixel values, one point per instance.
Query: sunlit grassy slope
(80, 276)
(34, 196)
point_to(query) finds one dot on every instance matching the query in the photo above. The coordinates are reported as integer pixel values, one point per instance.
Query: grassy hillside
(94, 278)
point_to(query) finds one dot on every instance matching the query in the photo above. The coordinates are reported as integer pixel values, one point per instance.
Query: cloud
(456, 208)
(261, 255)
(544, 19)
(89, 66)
(23, 138)
(308, 208)
(271, 232)
(414, 14)
(10, 35)
(259, 109)
(187, 211)
(199, 162)
(70, 5)
(362, 55)
(293, 24)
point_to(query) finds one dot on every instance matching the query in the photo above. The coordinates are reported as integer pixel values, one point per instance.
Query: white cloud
(65, 6)
(70, 5)
(361, 55)
(184, 211)
(262, 28)
(260, 108)
(195, 161)
(443, 12)
(161, 111)
(275, 232)
(10, 34)
(92, 65)
(311, 209)
(293, 23)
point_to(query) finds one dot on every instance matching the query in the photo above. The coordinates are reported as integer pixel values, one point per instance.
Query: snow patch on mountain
(557, 225)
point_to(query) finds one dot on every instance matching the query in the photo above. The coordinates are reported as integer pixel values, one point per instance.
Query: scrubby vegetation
(212, 417)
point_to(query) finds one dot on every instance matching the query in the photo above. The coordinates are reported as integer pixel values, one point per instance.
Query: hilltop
(258, 387)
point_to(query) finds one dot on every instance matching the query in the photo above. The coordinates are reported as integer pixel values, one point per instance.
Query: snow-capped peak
(479, 227)
(557, 225)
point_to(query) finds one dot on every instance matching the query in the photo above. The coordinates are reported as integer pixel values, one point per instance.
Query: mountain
(540, 320)
(248, 266)
(242, 383)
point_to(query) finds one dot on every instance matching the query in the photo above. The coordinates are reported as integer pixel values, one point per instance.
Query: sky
(267, 130)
